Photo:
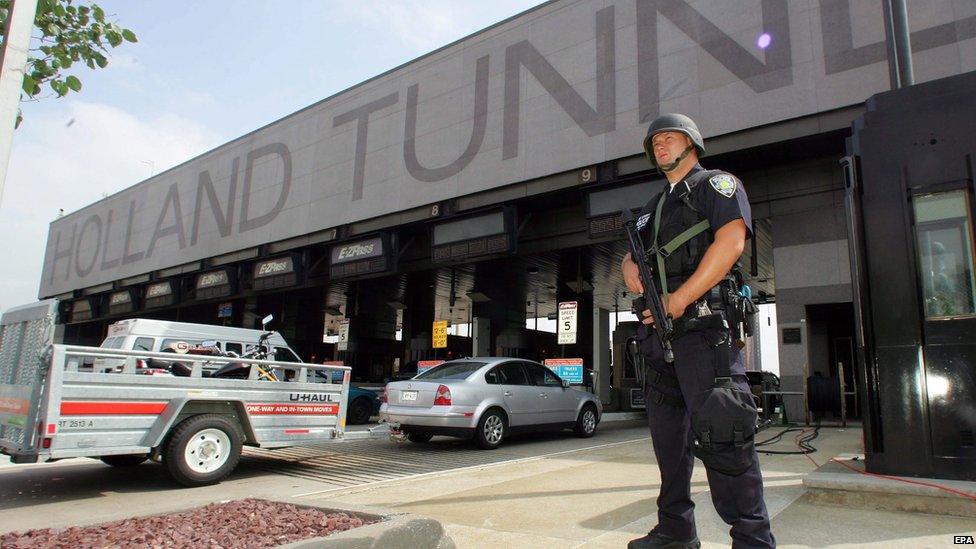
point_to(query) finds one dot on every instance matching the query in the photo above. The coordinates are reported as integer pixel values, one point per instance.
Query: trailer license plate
(408, 395)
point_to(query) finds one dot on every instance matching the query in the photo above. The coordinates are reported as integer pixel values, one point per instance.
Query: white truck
(195, 425)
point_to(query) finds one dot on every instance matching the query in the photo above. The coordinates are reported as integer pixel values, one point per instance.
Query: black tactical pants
(738, 499)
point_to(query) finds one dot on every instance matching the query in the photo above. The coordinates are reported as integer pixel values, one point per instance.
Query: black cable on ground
(776, 438)
(802, 440)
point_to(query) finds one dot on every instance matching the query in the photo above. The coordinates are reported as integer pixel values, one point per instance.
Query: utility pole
(899, 44)
(13, 60)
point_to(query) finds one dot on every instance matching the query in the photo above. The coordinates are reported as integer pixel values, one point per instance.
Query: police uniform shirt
(716, 196)
(723, 199)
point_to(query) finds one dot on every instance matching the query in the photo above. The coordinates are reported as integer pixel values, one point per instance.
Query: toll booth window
(943, 229)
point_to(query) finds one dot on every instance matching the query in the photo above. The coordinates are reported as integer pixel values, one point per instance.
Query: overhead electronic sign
(122, 302)
(161, 294)
(485, 234)
(219, 283)
(278, 272)
(363, 257)
(603, 206)
(82, 310)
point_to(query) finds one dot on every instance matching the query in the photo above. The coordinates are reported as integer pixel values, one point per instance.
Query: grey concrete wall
(797, 361)
(805, 205)
(569, 84)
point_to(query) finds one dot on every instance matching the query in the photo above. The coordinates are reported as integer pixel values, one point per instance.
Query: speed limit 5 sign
(567, 323)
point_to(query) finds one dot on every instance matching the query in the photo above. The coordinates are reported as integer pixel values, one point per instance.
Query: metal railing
(72, 355)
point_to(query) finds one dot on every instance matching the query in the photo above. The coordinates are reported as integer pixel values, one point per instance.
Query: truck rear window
(143, 344)
(113, 343)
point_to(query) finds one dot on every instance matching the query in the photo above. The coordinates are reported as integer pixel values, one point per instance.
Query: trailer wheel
(203, 449)
(360, 410)
(130, 460)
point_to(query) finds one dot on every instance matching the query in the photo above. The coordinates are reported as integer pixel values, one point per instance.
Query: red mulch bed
(243, 523)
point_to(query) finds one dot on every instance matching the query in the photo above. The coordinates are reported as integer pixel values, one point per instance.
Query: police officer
(698, 227)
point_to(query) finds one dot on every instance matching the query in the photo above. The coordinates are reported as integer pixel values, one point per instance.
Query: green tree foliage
(65, 33)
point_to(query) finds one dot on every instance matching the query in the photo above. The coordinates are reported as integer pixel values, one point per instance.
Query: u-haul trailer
(195, 425)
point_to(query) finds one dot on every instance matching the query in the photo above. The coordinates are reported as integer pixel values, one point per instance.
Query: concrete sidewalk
(604, 496)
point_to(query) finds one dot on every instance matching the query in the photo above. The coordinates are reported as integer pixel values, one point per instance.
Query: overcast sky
(201, 74)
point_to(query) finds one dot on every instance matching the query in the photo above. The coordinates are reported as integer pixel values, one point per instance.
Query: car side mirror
(565, 384)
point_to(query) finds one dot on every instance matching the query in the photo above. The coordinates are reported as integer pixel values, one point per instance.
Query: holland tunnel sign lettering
(569, 84)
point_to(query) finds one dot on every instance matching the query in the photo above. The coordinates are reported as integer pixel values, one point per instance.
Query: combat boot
(657, 540)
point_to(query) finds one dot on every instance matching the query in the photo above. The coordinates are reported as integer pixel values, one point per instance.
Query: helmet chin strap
(682, 156)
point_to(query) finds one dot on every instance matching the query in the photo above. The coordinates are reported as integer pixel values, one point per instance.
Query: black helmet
(673, 123)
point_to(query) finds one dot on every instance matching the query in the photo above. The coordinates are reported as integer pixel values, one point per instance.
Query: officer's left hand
(676, 308)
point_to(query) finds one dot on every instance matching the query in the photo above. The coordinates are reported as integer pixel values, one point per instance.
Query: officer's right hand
(648, 317)
(631, 275)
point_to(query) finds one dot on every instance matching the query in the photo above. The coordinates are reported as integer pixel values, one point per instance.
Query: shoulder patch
(724, 184)
(642, 221)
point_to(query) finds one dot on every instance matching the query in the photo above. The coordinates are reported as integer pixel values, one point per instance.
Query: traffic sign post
(567, 323)
(440, 334)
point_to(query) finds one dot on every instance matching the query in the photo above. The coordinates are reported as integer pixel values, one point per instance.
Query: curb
(608, 417)
(395, 530)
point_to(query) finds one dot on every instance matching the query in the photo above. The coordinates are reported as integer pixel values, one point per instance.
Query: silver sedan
(486, 399)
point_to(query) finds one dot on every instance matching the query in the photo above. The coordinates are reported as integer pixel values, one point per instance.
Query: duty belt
(714, 321)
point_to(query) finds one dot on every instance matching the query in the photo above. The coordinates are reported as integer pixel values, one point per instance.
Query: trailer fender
(181, 408)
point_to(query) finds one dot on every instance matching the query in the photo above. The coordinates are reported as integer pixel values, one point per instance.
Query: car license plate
(408, 395)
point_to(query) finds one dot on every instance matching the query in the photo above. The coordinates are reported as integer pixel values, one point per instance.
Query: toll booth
(626, 393)
(910, 197)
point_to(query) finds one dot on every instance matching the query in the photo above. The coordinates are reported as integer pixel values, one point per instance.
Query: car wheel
(359, 412)
(203, 449)
(419, 437)
(490, 431)
(586, 422)
(128, 460)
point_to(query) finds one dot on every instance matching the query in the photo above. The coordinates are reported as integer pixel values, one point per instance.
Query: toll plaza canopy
(564, 86)
(481, 185)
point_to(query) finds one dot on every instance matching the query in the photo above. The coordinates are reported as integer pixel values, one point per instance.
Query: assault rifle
(651, 300)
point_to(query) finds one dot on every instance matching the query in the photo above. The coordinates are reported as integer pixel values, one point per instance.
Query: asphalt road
(85, 491)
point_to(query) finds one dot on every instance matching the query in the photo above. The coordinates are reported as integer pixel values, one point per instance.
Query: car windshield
(451, 370)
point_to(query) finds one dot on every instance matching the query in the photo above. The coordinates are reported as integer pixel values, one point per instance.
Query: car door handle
(543, 395)
(507, 393)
